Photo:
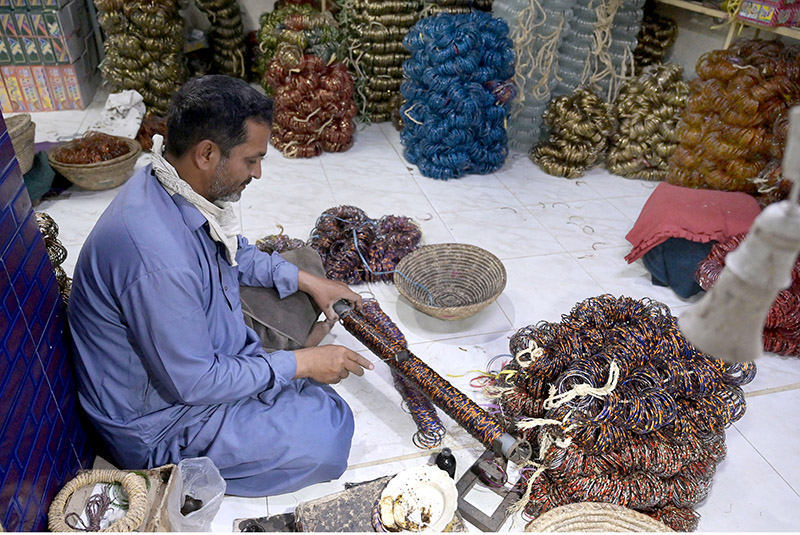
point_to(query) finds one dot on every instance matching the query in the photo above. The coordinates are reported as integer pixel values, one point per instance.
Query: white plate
(419, 499)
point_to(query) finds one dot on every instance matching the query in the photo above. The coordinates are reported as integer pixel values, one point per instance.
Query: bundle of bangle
(226, 36)
(143, 49)
(730, 134)
(457, 94)
(376, 54)
(294, 29)
(782, 326)
(623, 408)
(463, 410)
(655, 37)
(580, 128)
(430, 429)
(356, 249)
(278, 243)
(647, 110)
(536, 35)
(56, 251)
(314, 107)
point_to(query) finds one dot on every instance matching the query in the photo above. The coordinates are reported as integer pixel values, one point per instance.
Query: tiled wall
(42, 440)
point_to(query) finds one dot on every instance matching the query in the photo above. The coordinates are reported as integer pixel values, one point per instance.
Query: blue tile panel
(43, 440)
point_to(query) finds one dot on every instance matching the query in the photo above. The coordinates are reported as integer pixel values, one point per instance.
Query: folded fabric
(674, 262)
(40, 178)
(698, 215)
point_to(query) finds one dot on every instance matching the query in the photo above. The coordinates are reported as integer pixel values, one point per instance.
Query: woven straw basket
(102, 175)
(22, 132)
(450, 281)
(135, 486)
(587, 516)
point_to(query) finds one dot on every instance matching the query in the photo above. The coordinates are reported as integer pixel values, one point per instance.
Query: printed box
(5, 100)
(69, 20)
(14, 91)
(46, 48)
(45, 94)
(54, 4)
(28, 87)
(23, 24)
(68, 50)
(5, 53)
(767, 12)
(31, 50)
(60, 98)
(81, 80)
(7, 26)
(17, 51)
(39, 24)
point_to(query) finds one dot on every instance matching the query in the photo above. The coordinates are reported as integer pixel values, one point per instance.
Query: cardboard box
(768, 13)
(91, 50)
(69, 20)
(28, 87)
(14, 91)
(81, 80)
(23, 24)
(39, 24)
(68, 50)
(45, 94)
(46, 48)
(7, 25)
(54, 4)
(31, 50)
(5, 53)
(17, 51)
(5, 100)
(60, 98)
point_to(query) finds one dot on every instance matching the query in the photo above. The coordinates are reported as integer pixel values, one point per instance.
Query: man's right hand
(329, 364)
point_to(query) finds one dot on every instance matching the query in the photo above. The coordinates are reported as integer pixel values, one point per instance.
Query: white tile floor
(561, 241)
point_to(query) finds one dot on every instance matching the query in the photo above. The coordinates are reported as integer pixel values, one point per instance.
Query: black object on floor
(674, 262)
(447, 462)
(269, 524)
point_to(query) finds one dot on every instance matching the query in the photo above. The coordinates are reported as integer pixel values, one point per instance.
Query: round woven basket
(450, 281)
(134, 484)
(22, 132)
(102, 175)
(588, 516)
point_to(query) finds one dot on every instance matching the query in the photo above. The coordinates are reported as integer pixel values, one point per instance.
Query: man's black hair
(214, 107)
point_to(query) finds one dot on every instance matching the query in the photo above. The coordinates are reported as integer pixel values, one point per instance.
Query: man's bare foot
(318, 332)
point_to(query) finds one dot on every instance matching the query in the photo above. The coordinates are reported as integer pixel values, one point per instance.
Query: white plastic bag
(201, 480)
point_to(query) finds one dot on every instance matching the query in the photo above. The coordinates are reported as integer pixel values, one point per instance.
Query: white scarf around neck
(222, 219)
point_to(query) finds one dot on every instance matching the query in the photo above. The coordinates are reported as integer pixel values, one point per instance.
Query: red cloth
(699, 215)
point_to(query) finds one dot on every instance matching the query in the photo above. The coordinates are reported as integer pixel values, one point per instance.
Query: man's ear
(206, 155)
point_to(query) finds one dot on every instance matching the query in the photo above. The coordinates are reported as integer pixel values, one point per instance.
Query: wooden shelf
(736, 26)
(697, 8)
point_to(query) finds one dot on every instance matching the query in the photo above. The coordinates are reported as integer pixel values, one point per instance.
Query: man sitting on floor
(167, 366)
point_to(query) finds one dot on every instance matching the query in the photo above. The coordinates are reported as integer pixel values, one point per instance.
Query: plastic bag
(201, 480)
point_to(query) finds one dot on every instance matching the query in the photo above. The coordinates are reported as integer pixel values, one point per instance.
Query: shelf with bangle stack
(736, 26)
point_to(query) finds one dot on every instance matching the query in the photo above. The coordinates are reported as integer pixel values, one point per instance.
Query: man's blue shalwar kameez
(167, 368)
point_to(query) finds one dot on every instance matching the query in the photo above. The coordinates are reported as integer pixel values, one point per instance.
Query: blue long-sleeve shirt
(157, 325)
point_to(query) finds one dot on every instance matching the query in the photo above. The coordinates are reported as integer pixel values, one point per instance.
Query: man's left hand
(326, 292)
